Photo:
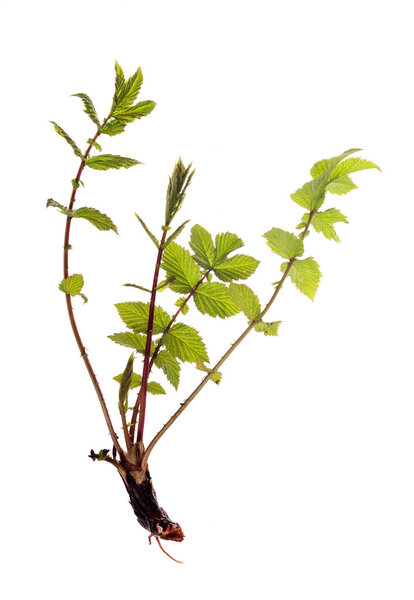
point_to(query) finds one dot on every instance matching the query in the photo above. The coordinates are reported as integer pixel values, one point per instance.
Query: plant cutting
(209, 276)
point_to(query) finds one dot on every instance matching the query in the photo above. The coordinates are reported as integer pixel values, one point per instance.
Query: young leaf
(69, 140)
(147, 231)
(202, 246)
(95, 144)
(136, 381)
(239, 266)
(130, 340)
(119, 84)
(129, 114)
(72, 285)
(98, 219)
(135, 316)
(103, 162)
(178, 263)
(155, 388)
(286, 244)
(226, 243)
(113, 127)
(268, 328)
(246, 300)
(164, 285)
(312, 194)
(185, 343)
(215, 377)
(214, 299)
(125, 381)
(169, 365)
(182, 303)
(89, 108)
(305, 274)
(138, 287)
(323, 222)
(341, 185)
(128, 91)
(177, 187)
(176, 233)
(327, 164)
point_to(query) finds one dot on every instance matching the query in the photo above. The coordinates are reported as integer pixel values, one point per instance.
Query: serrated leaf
(119, 84)
(98, 219)
(185, 343)
(129, 340)
(226, 243)
(182, 303)
(155, 388)
(327, 164)
(312, 194)
(202, 245)
(236, 267)
(113, 127)
(268, 328)
(72, 285)
(129, 114)
(176, 233)
(323, 222)
(178, 263)
(147, 231)
(169, 365)
(341, 185)
(135, 316)
(305, 274)
(103, 162)
(214, 299)
(128, 92)
(89, 108)
(351, 165)
(95, 144)
(245, 299)
(286, 244)
(68, 139)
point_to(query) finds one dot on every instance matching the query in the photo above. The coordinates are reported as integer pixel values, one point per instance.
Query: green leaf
(176, 233)
(164, 285)
(138, 287)
(125, 380)
(323, 222)
(169, 365)
(246, 300)
(305, 274)
(136, 381)
(226, 243)
(177, 187)
(286, 244)
(128, 92)
(202, 246)
(72, 285)
(182, 303)
(135, 316)
(215, 376)
(130, 340)
(351, 165)
(327, 164)
(98, 219)
(129, 114)
(312, 194)
(185, 343)
(69, 140)
(119, 85)
(341, 185)
(268, 328)
(239, 266)
(178, 262)
(89, 108)
(214, 299)
(103, 162)
(147, 231)
(113, 127)
(95, 144)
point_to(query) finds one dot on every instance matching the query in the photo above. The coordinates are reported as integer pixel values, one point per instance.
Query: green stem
(225, 356)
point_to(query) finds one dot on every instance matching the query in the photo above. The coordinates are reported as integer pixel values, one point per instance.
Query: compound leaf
(113, 127)
(323, 222)
(129, 114)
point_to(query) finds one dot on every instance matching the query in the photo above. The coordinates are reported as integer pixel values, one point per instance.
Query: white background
(292, 480)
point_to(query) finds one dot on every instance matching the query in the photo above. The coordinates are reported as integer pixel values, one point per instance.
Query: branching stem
(225, 356)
